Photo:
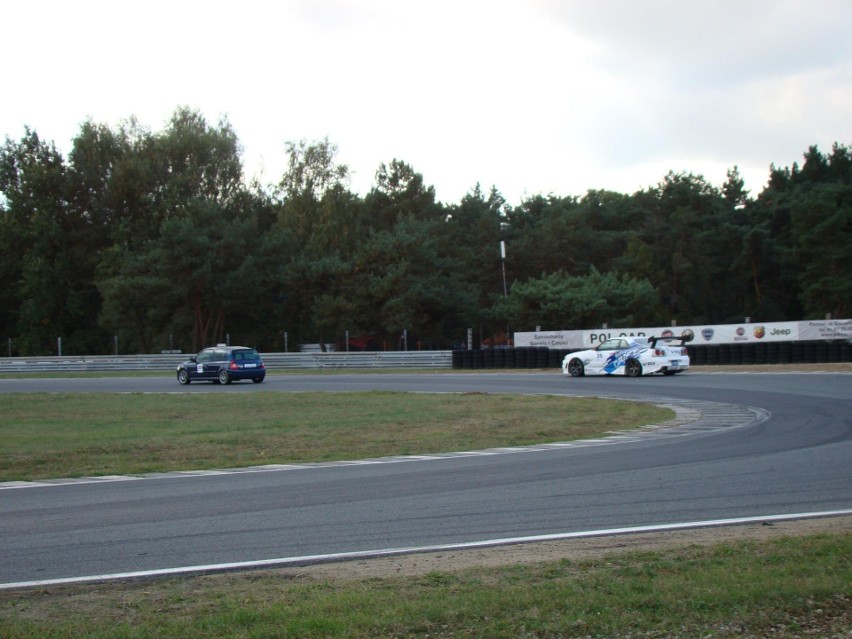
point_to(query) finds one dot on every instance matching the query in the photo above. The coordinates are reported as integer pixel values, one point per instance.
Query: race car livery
(631, 356)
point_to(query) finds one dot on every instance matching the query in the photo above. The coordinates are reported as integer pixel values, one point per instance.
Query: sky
(532, 97)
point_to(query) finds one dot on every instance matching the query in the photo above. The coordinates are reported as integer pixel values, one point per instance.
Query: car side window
(203, 356)
(219, 355)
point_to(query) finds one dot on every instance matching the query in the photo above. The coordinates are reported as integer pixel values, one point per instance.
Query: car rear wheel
(224, 378)
(576, 368)
(183, 377)
(257, 380)
(633, 368)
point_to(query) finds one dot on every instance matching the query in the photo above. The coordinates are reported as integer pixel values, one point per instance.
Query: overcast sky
(533, 97)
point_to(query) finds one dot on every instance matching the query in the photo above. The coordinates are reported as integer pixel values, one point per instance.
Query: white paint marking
(374, 554)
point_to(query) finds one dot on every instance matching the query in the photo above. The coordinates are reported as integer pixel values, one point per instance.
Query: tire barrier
(488, 358)
(697, 354)
(499, 358)
(736, 353)
(834, 352)
(814, 352)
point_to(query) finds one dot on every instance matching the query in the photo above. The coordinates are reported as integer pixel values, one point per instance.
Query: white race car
(631, 356)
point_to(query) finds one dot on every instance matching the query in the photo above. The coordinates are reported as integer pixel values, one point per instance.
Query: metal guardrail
(104, 363)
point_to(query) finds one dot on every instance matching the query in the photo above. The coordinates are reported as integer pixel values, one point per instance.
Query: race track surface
(767, 445)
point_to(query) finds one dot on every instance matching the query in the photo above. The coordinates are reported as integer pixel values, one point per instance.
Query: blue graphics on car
(631, 356)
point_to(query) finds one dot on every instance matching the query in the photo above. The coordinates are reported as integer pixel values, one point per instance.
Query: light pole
(503, 263)
(505, 288)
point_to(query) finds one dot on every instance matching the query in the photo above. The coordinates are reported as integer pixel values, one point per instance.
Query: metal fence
(359, 360)
(529, 357)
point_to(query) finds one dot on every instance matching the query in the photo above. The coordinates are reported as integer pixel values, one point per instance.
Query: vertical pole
(59, 345)
(503, 263)
(505, 288)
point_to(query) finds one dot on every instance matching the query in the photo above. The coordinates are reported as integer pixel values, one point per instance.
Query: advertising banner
(551, 339)
(825, 329)
(704, 334)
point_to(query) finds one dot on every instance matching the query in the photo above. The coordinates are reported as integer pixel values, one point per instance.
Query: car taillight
(233, 366)
(659, 353)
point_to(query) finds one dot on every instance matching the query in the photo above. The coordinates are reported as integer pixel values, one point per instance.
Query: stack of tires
(699, 354)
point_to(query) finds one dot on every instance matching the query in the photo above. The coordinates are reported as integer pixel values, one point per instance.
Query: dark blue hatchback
(222, 365)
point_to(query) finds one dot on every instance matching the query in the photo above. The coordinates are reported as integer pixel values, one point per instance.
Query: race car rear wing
(684, 338)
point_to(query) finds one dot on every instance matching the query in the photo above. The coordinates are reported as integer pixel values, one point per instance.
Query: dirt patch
(572, 549)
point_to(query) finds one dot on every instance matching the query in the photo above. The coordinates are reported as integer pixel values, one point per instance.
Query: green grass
(69, 435)
(790, 587)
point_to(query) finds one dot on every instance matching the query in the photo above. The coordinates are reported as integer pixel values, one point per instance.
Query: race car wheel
(257, 380)
(576, 368)
(633, 368)
(183, 377)
(224, 378)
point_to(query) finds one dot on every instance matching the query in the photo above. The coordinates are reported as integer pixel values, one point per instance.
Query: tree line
(147, 241)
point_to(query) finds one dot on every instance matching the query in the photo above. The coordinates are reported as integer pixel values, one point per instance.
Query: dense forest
(143, 241)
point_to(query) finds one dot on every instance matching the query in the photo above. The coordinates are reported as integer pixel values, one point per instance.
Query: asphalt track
(747, 447)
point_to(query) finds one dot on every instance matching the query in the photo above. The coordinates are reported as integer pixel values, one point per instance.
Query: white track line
(373, 554)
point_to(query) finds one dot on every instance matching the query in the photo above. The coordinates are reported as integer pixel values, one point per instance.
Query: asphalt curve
(768, 445)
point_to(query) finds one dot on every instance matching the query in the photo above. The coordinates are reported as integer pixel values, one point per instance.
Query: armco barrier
(354, 360)
(508, 358)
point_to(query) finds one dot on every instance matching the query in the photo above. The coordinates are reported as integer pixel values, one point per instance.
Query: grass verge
(72, 435)
(783, 588)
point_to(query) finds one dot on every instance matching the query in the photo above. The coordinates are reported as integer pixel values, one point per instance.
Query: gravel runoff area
(588, 547)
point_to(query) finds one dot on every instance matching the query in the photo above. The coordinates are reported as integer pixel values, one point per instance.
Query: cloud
(545, 96)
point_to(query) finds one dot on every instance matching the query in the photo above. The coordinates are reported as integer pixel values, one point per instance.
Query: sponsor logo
(759, 332)
(602, 337)
(786, 332)
(707, 334)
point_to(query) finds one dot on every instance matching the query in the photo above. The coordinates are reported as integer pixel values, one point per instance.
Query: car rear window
(246, 355)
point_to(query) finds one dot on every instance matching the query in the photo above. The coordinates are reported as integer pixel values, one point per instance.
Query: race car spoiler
(684, 338)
